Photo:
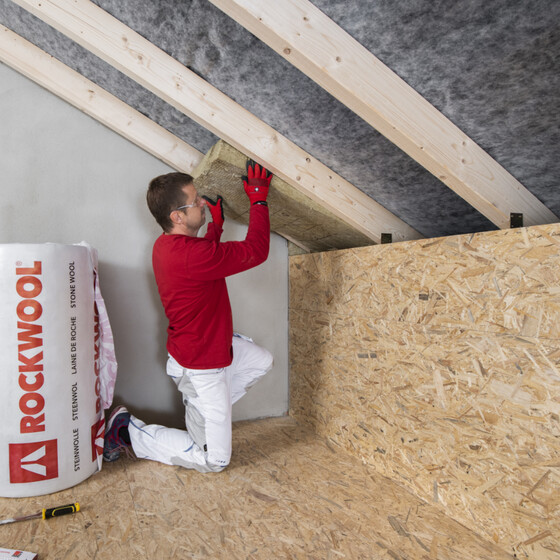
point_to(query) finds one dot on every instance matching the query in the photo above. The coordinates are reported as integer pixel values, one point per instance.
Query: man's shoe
(117, 438)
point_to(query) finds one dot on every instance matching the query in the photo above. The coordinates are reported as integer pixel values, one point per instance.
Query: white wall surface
(66, 178)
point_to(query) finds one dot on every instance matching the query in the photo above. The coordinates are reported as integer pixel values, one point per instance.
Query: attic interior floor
(286, 495)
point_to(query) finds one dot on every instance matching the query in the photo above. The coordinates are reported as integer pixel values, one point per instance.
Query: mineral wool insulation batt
(51, 416)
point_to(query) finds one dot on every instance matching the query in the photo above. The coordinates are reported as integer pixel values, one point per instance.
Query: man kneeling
(211, 366)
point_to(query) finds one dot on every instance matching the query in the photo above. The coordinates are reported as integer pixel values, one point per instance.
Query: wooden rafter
(136, 57)
(312, 42)
(83, 94)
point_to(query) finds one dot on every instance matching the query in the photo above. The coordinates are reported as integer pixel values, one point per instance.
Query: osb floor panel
(286, 495)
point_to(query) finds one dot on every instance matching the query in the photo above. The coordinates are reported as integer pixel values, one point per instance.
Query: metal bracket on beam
(515, 220)
(386, 238)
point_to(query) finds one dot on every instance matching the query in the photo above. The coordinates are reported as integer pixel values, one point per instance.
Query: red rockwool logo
(33, 462)
(97, 435)
(30, 349)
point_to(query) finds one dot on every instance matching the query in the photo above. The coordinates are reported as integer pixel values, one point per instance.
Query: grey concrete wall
(66, 178)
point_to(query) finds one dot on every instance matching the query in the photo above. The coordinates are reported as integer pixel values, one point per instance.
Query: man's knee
(216, 468)
(209, 465)
(216, 465)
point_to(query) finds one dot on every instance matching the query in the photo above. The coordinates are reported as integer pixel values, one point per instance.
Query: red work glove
(256, 183)
(216, 209)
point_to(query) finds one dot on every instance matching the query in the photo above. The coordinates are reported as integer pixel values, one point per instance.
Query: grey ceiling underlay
(490, 67)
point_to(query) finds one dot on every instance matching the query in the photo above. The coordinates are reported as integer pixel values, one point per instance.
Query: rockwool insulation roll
(57, 367)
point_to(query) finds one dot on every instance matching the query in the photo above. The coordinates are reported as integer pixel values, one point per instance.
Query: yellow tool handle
(62, 510)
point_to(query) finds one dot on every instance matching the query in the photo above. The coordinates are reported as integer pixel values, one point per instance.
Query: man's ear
(175, 217)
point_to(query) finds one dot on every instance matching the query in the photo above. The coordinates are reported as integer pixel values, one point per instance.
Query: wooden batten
(56, 77)
(293, 215)
(126, 50)
(312, 42)
(438, 363)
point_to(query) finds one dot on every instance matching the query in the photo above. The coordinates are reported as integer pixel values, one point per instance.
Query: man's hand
(216, 209)
(256, 183)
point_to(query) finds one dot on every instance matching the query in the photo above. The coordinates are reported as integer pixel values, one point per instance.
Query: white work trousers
(208, 396)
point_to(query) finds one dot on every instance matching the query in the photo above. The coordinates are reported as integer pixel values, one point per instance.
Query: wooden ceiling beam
(317, 46)
(126, 50)
(56, 77)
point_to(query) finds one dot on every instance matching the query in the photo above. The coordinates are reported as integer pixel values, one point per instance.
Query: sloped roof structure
(420, 119)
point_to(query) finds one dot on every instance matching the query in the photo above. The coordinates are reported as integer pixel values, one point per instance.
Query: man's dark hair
(164, 195)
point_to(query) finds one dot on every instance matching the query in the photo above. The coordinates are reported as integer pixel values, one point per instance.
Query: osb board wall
(438, 362)
(293, 215)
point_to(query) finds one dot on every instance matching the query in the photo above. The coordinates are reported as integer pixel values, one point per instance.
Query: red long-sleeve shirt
(190, 274)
